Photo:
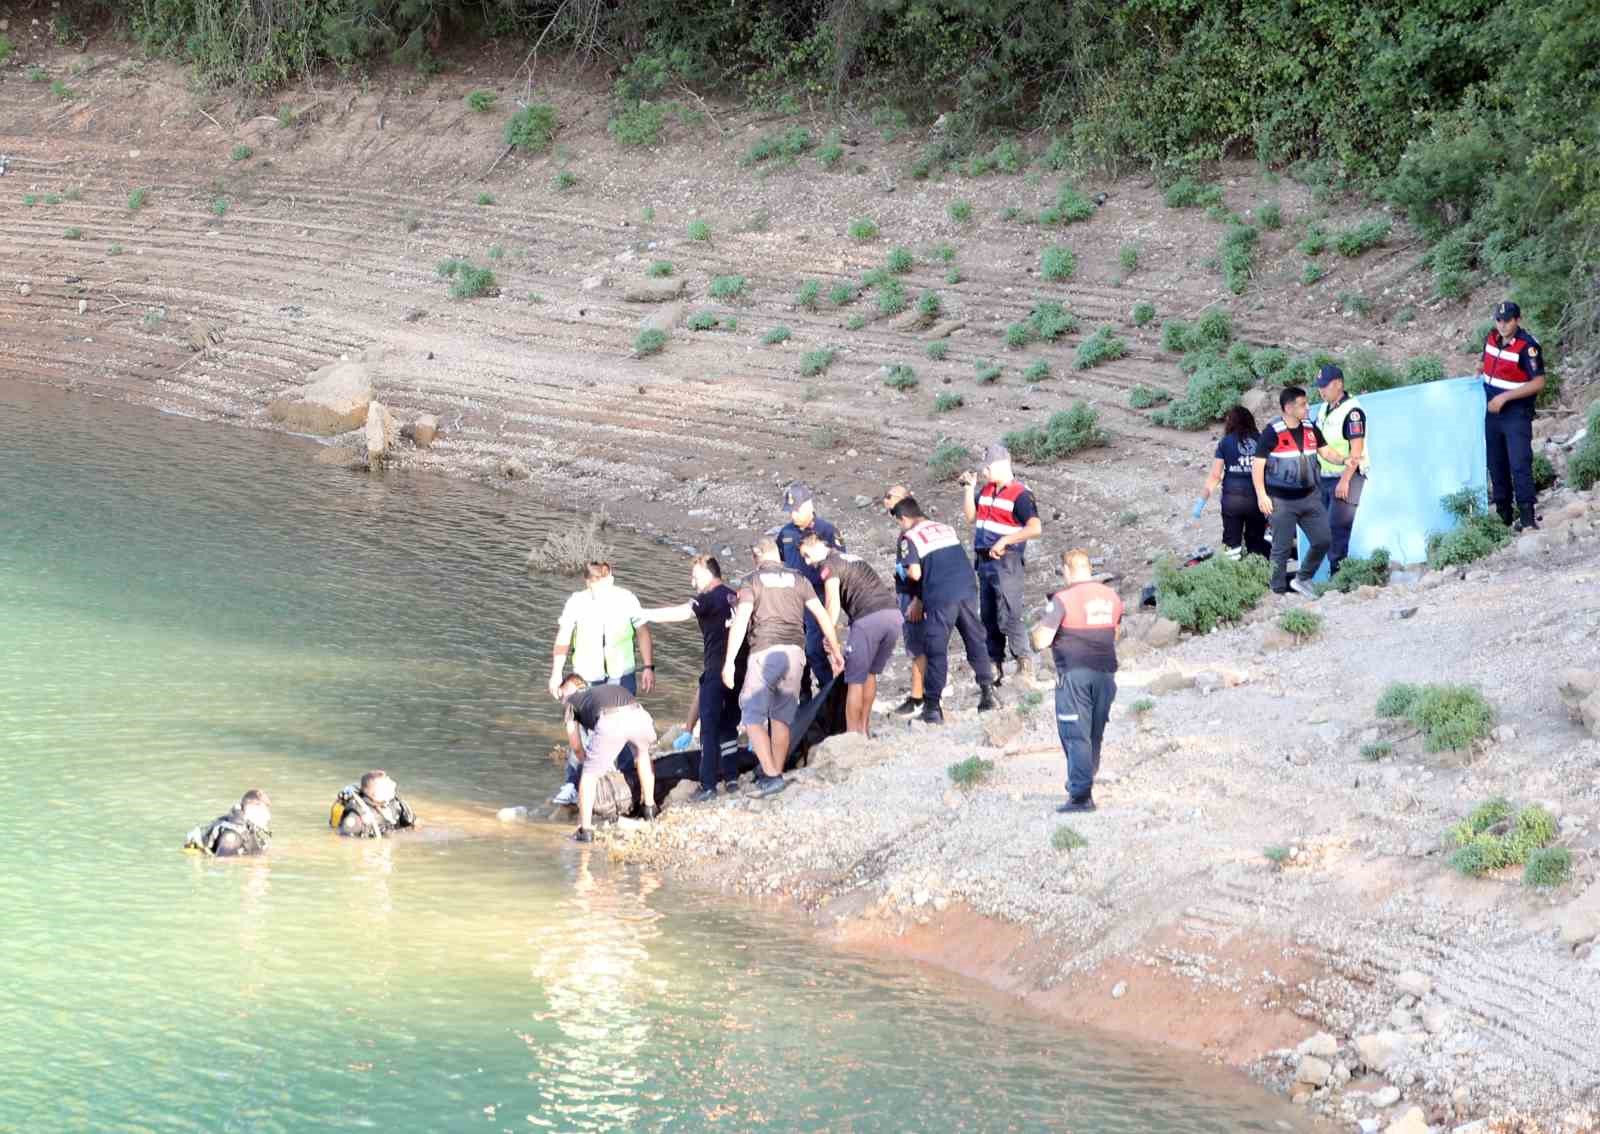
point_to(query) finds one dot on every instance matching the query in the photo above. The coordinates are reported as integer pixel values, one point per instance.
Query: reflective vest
(995, 515)
(1502, 361)
(599, 624)
(376, 821)
(252, 839)
(1292, 466)
(1331, 422)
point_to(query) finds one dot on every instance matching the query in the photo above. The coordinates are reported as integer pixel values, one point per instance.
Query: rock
(512, 815)
(681, 791)
(862, 501)
(1367, 592)
(1381, 1049)
(1163, 632)
(341, 456)
(1119, 990)
(1576, 686)
(1000, 729)
(334, 400)
(1209, 682)
(1530, 546)
(1504, 734)
(202, 335)
(382, 431)
(1400, 1019)
(1386, 1097)
(1437, 1018)
(654, 291)
(1579, 920)
(512, 468)
(593, 283)
(24, 289)
(1170, 681)
(838, 756)
(1481, 1126)
(663, 318)
(944, 329)
(1274, 638)
(1322, 1045)
(424, 430)
(1368, 1126)
(1312, 1071)
(83, 307)
(1341, 1074)
(1413, 983)
(1412, 1121)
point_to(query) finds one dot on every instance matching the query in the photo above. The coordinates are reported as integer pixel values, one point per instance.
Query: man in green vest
(1344, 423)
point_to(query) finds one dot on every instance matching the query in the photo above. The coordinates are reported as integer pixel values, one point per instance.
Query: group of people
(1306, 469)
(773, 637)
(370, 808)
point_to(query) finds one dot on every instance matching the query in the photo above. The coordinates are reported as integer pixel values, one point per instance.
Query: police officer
(799, 501)
(244, 830)
(933, 556)
(1513, 374)
(1003, 518)
(907, 589)
(1344, 425)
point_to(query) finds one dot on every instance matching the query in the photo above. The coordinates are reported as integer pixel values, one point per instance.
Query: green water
(188, 610)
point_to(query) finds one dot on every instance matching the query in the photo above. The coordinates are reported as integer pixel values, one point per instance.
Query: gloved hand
(683, 741)
(1199, 506)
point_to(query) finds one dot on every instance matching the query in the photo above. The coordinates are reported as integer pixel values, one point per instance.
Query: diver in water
(371, 809)
(242, 831)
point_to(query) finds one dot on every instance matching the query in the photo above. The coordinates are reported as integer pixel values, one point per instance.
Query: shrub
(1143, 312)
(727, 287)
(855, 322)
(806, 297)
(1049, 321)
(532, 128)
(1315, 242)
(1143, 705)
(6, 47)
(900, 261)
(114, 250)
(660, 269)
(1213, 330)
(948, 461)
(1125, 518)
(137, 198)
(1368, 234)
(775, 336)
(1428, 368)
(944, 403)
(987, 373)
(1303, 624)
(240, 152)
(827, 437)
(569, 549)
(699, 231)
(1236, 255)
(1492, 837)
(1451, 716)
(929, 305)
(1544, 472)
(482, 101)
(1187, 193)
(62, 91)
(960, 211)
(944, 253)
(1067, 432)
(1147, 397)
(1102, 346)
(892, 298)
(1018, 335)
(1218, 590)
(901, 377)
(1548, 866)
(971, 771)
(219, 206)
(701, 321)
(953, 276)
(831, 151)
(1007, 156)
(1377, 750)
(468, 281)
(1396, 699)
(1038, 370)
(1268, 361)
(1355, 572)
(1057, 263)
(1477, 532)
(1064, 838)
(1583, 467)
(649, 341)
(814, 362)
(863, 229)
(783, 147)
(1174, 336)
(1071, 206)
(496, 252)
(1270, 215)
(1354, 303)
(1277, 854)
(485, 198)
(563, 181)
(638, 124)
(937, 349)
(839, 294)
(1311, 273)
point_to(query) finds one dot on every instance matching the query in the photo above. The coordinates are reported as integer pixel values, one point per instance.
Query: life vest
(1087, 634)
(995, 515)
(1331, 422)
(1502, 362)
(1292, 465)
(376, 821)
(252, 839)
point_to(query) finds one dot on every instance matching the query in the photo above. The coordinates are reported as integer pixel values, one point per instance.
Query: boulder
(1579, 920)
(1170, 681)
(341, 456)
(1385, 1097)
(382, 431)
(681, 791)
(1163, 632)
(838, 756)
(944, 329)
(1380, 1050)
(335, 400)
(512, 468)
(663, 318)
(654, 291)
(1576, 686)
(202, 335)
(1312, 1071)
(1412, 1121)
(1322, 1045)
(1437, 1018)
(1000, 729)
(424, 430)
(1414, 983)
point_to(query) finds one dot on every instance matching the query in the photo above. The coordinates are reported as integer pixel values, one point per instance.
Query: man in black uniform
(716, 706)
(905, 591)
(1513, 375)
(800, 502)
(849, 585)
(244, 830)
(371, 809)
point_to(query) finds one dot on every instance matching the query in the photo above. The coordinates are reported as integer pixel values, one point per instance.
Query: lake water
(188, 610)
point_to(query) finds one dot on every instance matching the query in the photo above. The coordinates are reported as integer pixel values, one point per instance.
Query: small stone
(512, 468)
(1163, 632)
(863, 501)
(1414, 983)
(24, 289)
(1379, 1050)
(1170, 681)
(593, 283)
(1400, 1019)
(424, 430)
(1313, 1071)
(1119, 990)
(381, 431)
(1504, 734)
(654, 291)
(83, 307)
(1412, 1121)
(1385, 1097)
(1322, 1045)
(512, 815)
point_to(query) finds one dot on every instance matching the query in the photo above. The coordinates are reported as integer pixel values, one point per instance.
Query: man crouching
(610, 720)
(371, 809)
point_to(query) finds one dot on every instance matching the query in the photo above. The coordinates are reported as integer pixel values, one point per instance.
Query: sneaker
(704, 795)
(769, 785)
(566, 797)
(1305, 589)
(910, 707)
(583, 835)
(649, 812)
(1530, 524)
(931, 714)
(986, 699)
(1076, 803)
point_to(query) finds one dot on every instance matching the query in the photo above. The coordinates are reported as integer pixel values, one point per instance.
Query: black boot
(931, 713)
(910, 707)
(649, 812)
(986, 699)
(1528, 522)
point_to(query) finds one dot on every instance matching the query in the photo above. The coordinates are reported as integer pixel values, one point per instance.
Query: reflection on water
(188, 611)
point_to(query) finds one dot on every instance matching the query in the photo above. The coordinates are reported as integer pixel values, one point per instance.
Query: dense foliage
(1201, 597)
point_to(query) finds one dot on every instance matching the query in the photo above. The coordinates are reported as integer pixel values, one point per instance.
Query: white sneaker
(1300, 588)
(566, 797)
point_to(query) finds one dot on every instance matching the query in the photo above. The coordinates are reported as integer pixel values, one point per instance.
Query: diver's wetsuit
(355, 816)
(229, 836)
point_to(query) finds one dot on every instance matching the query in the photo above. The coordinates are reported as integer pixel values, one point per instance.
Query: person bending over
(244, 830)
(849, 585)
(371, 809)
(610, 719)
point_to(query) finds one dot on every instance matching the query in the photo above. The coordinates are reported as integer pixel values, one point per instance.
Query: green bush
(855, 322)
(1037, 371)
(944, 403)
(1492, 837)
(1548, 866)
(1355, 571)
(1451, 716)
(1377, 750)
(1057, 263)
(1544, 472)
(1354, 303)
(1174, 336)
(532, 128)
(900, 261)
(6, 47)
(1277, 854)
(1143, 705)
(901, 377)
(1007, 156)
(727, 287)
(701, 321)
(660, 269)
(1397, 700)
(137, 199)
(937, 349)
(698, 231)
(1102, 346)
(1128, 258)
(1070, 207)
(219, 206)
(1583, 467)
(1218, 373)
(814, 362)
(775, 336)
(1064, 838)
(1315, 241)
(949, 460)
(970, 772)
(987, 373)
(1147, 397)
(1428, 368)
(563, 181)
(485, 198)
(960, 211)
(783, 147)
(831, 152)
(467, 280)
(649, 341)
(1270, 215)
(1067, 432)
(1368, 234)
(482, 101)
(1311, 273)
(929, 305)
(1301, 623)
(1219, 590)
(1187, 193)
(1268, 362)
(1143, 312)
(638, 124)
(863, 229)
(892, 298)
(1477, 532)
(1236, 256)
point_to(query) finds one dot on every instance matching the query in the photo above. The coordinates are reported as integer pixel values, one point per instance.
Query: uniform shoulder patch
(1533, 352)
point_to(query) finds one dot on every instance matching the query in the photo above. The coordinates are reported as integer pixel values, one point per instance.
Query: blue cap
(1505, 309)
(795, 495)
(1328, 375)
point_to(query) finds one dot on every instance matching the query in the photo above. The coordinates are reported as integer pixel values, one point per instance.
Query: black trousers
(719, 730)
(1243, 525)
(1508, 436)
(937, 623)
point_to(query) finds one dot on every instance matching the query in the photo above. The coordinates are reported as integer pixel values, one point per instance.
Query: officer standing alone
(1513, 375)
(1003, 518)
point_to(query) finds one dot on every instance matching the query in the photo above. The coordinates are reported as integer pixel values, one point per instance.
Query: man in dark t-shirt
(1288, 490)
(716, 706)
(854, 589)
(602, 720)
